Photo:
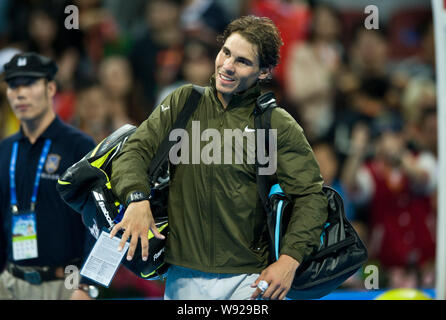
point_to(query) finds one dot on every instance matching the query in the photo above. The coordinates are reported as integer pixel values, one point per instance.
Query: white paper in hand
(104, 259)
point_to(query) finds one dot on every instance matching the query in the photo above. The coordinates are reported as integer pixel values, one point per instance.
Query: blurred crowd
(365, 98)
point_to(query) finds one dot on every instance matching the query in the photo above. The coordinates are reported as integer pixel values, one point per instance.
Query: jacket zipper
(212, 243)
(212, 223)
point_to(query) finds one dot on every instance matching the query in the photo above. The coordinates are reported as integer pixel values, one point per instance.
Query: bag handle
(334, 248)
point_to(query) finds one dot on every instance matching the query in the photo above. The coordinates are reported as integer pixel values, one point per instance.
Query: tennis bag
(341, 252)
(86, 188)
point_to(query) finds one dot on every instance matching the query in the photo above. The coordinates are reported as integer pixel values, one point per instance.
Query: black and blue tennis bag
(340, 255)
(341, 252)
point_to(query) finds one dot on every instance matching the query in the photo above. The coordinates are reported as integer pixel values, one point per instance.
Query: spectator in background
(47, 36)
(310, 72)
(43, 33)
(367, 102)
(363, 86)
(129, 15)
(423, 63)
(121, 96)
(92, 114)
(369, 53)
(196, 68)
(292, 17)
(159, 44)
(396, 186)
(99, 28)
(203, 19)
(427, 127)
(418, 95)
(18, 13)
(64, 100)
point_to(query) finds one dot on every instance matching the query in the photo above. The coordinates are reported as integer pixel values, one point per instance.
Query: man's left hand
(279, 276)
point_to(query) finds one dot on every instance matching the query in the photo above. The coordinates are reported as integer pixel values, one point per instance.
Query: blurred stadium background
(365, 98)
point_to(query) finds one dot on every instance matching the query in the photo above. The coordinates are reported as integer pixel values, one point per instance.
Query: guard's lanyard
(43, 155)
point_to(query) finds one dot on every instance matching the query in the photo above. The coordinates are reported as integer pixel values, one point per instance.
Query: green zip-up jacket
(216, 220)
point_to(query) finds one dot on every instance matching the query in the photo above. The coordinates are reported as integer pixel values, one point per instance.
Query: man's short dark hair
(260, 31)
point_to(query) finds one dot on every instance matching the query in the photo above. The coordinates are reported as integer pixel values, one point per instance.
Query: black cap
(30, 64)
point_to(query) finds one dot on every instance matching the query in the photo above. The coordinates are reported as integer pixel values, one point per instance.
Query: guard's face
(237, 67)
(30, 101)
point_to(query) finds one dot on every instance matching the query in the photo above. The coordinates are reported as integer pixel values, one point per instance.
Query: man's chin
(25, 116)
(225, 90)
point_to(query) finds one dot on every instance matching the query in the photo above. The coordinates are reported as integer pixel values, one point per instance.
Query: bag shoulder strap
(262, 120)
(162, 152)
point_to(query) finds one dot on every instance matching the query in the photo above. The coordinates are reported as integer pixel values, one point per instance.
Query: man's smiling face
(237, 67)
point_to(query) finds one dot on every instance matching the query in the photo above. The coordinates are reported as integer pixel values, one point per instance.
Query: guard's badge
(52, 163)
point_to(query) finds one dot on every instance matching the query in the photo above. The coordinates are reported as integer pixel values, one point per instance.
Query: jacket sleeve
(130, 167)
(299, 176)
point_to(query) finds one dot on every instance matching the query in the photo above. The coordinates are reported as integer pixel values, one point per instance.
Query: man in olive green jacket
(217, 225)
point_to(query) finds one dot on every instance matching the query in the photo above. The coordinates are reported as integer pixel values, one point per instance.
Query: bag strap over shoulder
(262, 120)
(162, 152)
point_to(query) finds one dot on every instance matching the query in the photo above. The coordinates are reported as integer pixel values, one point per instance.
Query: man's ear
(265, 73)
(51, 88)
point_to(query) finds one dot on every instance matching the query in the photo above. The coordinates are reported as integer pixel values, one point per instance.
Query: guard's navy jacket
(61, 235)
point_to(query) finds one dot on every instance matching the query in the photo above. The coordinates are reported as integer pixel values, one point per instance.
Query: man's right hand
(136, 223)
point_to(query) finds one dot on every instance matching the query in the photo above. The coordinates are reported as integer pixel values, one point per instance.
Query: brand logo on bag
(157, 255)
(101, 202)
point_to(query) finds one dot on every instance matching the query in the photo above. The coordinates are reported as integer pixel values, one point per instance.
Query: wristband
(136, 197)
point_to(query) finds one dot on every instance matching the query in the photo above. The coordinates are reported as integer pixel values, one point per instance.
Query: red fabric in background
(292, 20)
(401, 219)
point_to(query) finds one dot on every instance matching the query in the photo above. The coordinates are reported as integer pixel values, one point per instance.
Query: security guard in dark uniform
(41, 234)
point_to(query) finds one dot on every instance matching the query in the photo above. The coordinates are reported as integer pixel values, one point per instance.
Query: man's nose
(21, 92)
(228, 65)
